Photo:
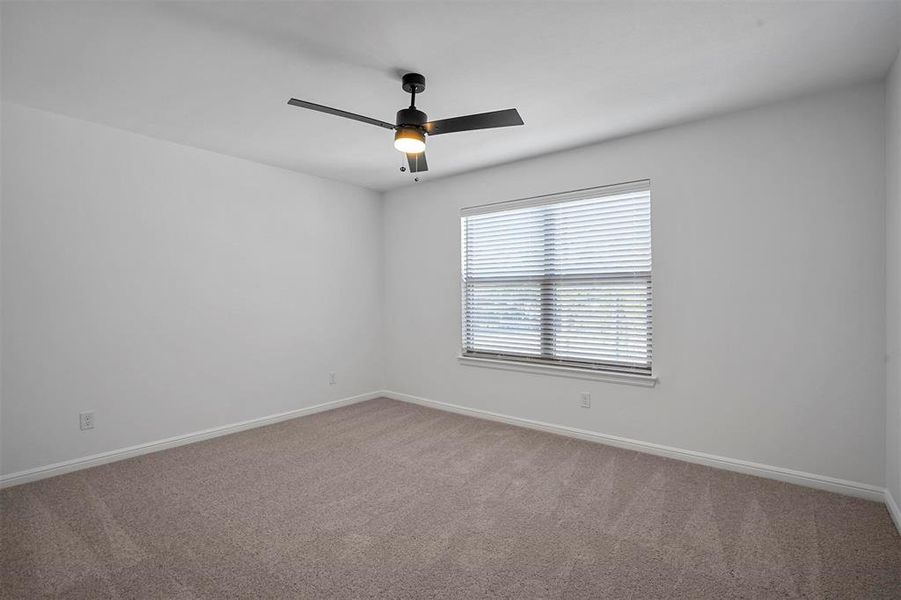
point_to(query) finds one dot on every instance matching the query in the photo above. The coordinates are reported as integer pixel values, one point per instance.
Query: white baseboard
(180, 440)
(821, 482)
(893, 509)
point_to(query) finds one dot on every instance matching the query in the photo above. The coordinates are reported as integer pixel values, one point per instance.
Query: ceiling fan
(412, 125)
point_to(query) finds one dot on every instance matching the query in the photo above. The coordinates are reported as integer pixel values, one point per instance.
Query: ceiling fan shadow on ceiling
(412, 126)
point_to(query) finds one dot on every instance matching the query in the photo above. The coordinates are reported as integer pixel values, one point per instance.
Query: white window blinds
(562, 279)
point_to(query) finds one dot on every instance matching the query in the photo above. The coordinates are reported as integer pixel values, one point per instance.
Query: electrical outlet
(586, 399)
(86, 420)
(331, 378)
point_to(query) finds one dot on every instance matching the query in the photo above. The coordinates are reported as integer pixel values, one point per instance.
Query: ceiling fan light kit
(412, 125)
(409, 140)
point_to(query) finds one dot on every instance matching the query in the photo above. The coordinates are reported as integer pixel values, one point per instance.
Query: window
(562, 280)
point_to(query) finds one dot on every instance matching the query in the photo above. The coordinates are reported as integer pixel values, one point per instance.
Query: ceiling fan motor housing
(411, 117)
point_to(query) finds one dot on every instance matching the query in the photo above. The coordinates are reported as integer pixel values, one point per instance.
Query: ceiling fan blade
(417, 162)
(498, 118)
(338, 112)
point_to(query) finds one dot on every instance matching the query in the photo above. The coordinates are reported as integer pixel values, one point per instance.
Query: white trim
(893, 509)
(821, 482)
(180, 440)
(559, 371)
(601, 191)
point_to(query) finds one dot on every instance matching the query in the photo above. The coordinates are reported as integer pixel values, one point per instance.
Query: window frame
(548, 362)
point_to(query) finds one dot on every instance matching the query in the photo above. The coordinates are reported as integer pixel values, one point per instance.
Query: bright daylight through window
(562, 280)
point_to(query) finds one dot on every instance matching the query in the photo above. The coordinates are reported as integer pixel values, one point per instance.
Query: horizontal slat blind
(562, 279)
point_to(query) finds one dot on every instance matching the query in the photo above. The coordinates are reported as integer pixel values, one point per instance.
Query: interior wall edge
(95, 460)
(811, 480)
(303, 175)
(893, 509)
(893, 285)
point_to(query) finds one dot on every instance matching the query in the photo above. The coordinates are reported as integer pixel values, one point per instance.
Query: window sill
(571, 372)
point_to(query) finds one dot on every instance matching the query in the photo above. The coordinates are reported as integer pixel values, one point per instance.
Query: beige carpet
(390, 500)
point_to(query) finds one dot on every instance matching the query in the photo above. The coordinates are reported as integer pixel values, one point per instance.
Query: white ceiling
(218, 75)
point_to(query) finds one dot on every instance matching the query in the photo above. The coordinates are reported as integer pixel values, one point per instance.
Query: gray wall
(171, 289)
(768, 287)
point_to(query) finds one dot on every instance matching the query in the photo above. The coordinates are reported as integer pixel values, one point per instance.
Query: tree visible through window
(562, 279)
